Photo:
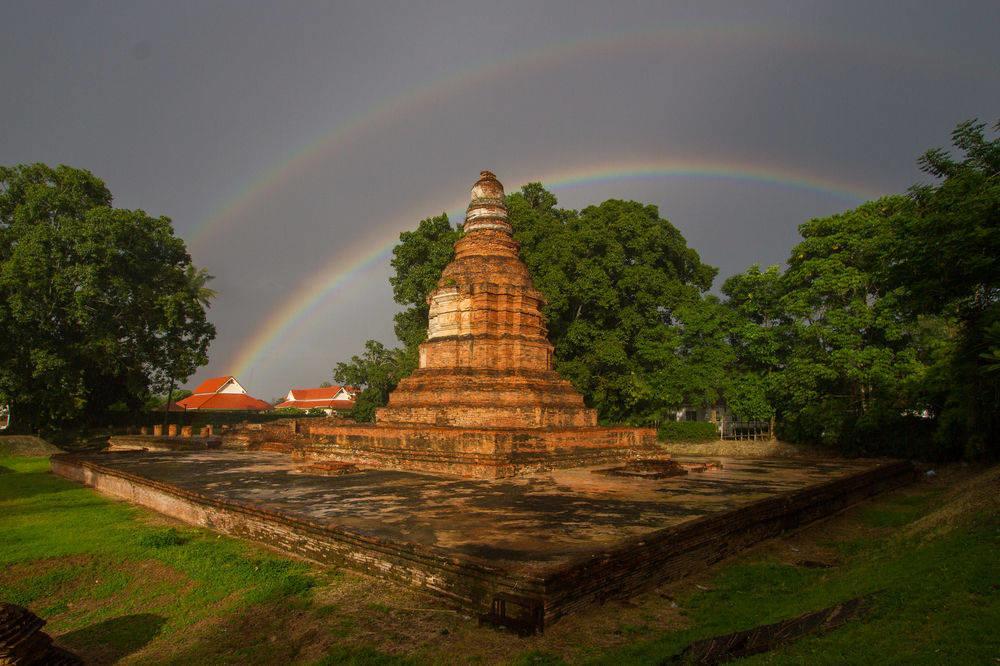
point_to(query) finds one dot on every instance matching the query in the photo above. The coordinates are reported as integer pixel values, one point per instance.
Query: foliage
(417, 262)
(945, 264)
(378, 371)
(827, 346)
(881, 335)
(625, 309)
(159, 401)
(850, 353)
(288, 411)
(688, 431)
(630, 327)
(747, 398)
(99, 306)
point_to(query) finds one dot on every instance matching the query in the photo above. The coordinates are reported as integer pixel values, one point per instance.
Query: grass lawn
(120, 583)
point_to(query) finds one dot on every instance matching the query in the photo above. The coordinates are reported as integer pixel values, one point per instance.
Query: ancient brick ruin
(485, 400)
(487, 362)
(554, 512)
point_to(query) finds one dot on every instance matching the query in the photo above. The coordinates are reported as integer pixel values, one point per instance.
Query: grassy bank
(117, 582)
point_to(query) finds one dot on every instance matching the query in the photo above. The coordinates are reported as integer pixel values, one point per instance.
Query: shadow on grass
(111, 640)
(26, 485)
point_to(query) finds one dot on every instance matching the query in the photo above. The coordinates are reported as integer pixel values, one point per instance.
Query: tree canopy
(99, 306)
(626, 312)
(880, 335)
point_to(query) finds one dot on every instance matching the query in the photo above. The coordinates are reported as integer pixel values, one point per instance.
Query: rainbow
(315, 290)
(404, 106)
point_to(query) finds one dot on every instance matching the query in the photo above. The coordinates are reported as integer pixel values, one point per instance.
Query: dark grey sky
(362, 118)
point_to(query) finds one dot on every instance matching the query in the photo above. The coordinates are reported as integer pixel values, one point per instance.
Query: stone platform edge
(631, 566)
(466, 581)
(639, 563)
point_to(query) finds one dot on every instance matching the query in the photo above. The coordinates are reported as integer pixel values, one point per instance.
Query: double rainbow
(319, 287)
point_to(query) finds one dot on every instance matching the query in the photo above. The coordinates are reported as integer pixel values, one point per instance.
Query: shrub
(689, 431)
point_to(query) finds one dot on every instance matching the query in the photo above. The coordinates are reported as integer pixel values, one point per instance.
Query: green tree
(944, 263)
(850, 355)
(99, 306)
(417, 262)
(626, 312)
(757, 331)
(625, 307)
(376, 372)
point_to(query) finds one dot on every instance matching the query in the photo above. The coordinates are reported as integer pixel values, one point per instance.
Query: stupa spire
(487, 209)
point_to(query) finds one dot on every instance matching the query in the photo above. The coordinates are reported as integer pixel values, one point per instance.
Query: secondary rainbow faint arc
(404, 105)
(315, 288)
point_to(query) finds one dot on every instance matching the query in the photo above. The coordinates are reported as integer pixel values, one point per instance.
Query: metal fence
(746, 430)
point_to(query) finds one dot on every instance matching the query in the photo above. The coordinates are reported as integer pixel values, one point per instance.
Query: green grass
(935, 601)
(115, 582)
(87, 561)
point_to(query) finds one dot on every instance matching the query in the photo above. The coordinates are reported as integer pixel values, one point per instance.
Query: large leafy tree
(945, 263)
(626, 311)
(376, 372)
(827, 344)
(757, 331)
(417, 262)
(625, 308)
(850, 352)
(99, 306)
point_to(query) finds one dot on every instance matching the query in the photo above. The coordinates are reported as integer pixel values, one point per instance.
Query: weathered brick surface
(487, 361)
(474, 452)
(154, 443)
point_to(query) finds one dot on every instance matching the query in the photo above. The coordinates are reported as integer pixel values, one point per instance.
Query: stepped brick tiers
(485, 400)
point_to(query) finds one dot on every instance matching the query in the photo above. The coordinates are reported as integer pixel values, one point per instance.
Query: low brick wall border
(464, 580)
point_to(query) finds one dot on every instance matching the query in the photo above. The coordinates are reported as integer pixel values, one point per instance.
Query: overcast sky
(290, 141)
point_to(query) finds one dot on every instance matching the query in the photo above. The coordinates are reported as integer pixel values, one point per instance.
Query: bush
(689, 431)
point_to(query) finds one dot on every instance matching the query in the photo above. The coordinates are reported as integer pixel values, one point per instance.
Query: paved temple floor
(542, 520)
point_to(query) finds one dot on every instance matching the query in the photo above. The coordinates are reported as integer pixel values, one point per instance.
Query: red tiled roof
(224, 401)
(322, 404)
(326, 393)
(211, 385)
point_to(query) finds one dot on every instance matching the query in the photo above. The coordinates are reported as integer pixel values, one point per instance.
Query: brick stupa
(487, 362)
(485, 400)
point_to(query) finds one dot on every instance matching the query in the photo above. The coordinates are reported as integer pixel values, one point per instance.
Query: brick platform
(545, 543)
(474, 452)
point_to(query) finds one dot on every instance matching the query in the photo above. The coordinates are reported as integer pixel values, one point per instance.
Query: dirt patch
(976, 497)
(26, 445)
(22, 570)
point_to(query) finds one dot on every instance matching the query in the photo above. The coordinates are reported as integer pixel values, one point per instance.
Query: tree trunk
(166, 407)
